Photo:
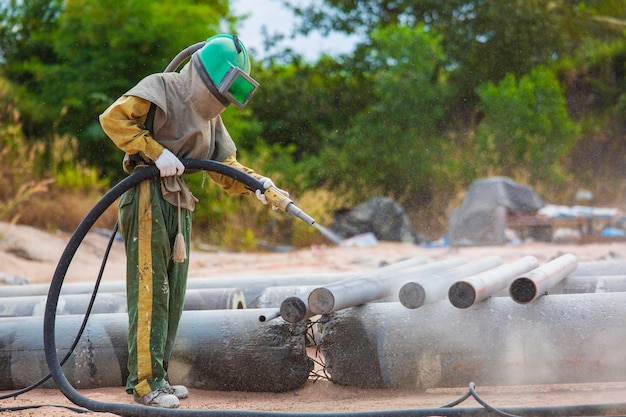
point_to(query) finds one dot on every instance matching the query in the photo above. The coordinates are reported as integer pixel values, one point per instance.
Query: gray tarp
(481, 219)
(382, 216)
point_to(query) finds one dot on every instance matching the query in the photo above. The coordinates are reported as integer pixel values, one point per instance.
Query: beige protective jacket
(187, 122)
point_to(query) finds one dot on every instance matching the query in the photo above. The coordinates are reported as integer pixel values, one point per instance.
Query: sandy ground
(30, 255)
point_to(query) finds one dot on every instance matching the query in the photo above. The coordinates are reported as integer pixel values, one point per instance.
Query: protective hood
(187, 120)
(201, 98)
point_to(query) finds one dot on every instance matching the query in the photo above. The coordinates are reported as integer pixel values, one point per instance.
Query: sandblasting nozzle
(278, 199)
(296, 211)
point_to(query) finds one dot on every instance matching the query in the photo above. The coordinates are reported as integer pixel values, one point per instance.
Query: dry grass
(58, 210)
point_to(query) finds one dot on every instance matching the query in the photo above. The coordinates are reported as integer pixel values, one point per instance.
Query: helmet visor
(238, 87)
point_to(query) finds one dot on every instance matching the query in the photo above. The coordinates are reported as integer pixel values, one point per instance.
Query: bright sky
(277, 19)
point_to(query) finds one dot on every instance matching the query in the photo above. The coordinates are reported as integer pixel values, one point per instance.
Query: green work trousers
(155, 285)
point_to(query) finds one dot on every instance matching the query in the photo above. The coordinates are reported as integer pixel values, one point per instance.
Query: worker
(167, 117)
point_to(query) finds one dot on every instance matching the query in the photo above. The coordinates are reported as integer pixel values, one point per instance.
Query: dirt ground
(31, 255)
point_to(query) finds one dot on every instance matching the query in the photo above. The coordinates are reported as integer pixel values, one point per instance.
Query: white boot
(180, 391)
(159, 398)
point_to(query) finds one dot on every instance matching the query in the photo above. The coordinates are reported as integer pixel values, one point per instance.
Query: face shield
(238, 87)
(226, 64)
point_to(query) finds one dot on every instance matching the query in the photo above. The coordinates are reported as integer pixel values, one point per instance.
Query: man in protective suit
(164, 118)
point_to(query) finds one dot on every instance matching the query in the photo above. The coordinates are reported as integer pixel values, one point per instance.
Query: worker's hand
(169, 164)
(268, 183)
(261, 196)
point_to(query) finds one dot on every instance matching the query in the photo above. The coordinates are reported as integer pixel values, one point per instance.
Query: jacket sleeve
(230, 185)
(123, 122)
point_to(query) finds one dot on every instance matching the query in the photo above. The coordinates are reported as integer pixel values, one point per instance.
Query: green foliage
(96, 50)
(279, 163)
(526, 126)
(17, 158)
(31, 174)
(437, 94)
(26, 46)
(484, 40)
(70, 173)
(298, 104)
(390, 147)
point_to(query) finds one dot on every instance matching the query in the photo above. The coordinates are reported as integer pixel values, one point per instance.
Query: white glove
(261, 196)
(268, 183)
(169, 164)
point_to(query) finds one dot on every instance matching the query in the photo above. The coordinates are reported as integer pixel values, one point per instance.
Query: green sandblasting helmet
(226, 62)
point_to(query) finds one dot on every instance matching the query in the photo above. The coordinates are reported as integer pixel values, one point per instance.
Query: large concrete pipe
(577, 284)
(424, 290)
(574, 338)
(115, 302)
(214, 299)
(533, 284)
(591, 268)
(373, 286)
(215, 350)
(251, 286)
(479, 287)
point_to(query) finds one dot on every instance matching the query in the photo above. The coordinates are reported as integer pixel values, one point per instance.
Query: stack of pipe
(499, 341)
(428, 289)
(374, 286)
(571, 338)
(524, 281)
(220, 345)
(295, 309)
(474, 289)
(215, 350)
(366, 340)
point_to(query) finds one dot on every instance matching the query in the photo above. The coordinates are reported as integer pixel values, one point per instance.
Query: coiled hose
(139, 410)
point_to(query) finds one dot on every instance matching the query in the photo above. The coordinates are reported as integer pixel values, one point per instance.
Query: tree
(392, 145)
(299, 103)
(526, 128)
(27, 31)
(484, 40)
(89, 52)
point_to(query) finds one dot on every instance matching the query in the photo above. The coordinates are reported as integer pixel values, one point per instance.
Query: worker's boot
(159, 398)
(180, 391)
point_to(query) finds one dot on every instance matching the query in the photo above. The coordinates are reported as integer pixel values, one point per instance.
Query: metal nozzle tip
(293, 209)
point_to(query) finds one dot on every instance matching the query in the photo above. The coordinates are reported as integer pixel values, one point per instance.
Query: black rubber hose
(139, 410)
(182, 56)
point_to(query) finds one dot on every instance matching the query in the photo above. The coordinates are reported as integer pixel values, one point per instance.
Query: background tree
(526, 128)
(89, 53)
(484, 40)
(392, 144)
(299, 103)
(27, 31)
(437, 94)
